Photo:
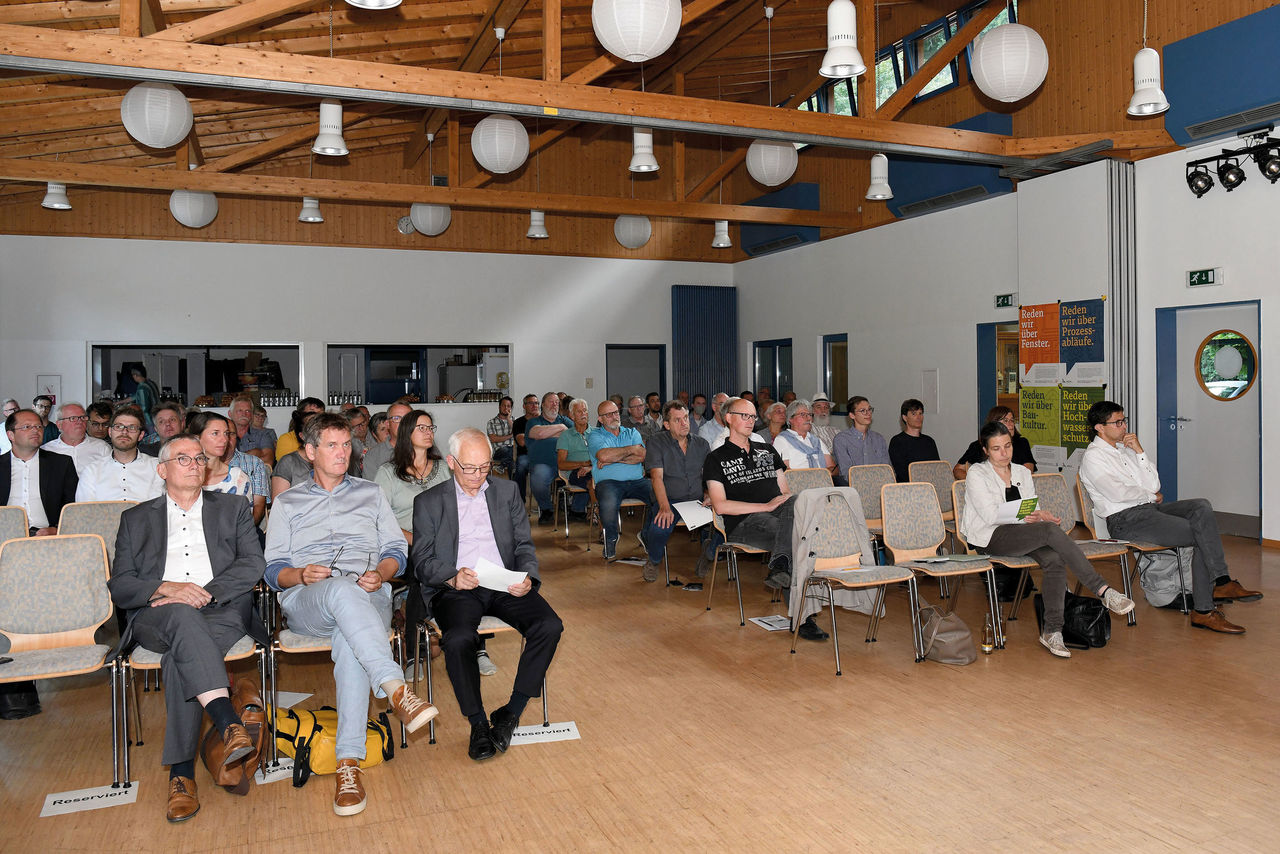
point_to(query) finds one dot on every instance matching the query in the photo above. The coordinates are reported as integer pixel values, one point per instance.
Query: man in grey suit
(186, 563)
(455, 524)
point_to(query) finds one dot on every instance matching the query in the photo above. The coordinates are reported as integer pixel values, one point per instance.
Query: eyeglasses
(1117, 422)
(395, 418)
(425, 428)
(742, 414)
(803, 415)
(29, 427)
(866, 410)
(187, 461)
(1008, 419)
(483, 468)
(610, 413)
(125, 428)
(74, 419)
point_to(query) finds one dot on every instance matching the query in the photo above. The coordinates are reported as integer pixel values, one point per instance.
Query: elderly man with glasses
(470, 522)
(617, 466)
(800, 445)
(125, 475)
(73, 439)
(1125, 488)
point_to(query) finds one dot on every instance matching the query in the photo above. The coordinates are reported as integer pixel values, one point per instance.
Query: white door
(1218, 440)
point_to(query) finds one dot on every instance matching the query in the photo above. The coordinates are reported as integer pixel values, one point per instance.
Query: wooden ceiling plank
(866, 36)
(551, 40)
(911, 87)
(230, 20)
(1041, 146)
(273, 186)
(151, 55)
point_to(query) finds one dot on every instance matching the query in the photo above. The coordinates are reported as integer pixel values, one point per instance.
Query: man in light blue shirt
(333, 543)
(617, 466)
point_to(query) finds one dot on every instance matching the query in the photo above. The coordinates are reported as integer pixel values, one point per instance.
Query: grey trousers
(1189, 522)
(770, 531)
(192, 644)
(1055, 552)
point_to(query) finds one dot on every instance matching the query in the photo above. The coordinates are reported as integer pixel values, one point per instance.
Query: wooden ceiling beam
(272, 186)
(152, 57)
(865, 95)
(551, 23)
(230, 20)
(141, 17)
(906, 93)
(477, 53)
(1122, 140)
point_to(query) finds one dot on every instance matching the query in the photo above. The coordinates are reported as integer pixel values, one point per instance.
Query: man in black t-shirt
(746, 485)
(531, 410)
(911, 445)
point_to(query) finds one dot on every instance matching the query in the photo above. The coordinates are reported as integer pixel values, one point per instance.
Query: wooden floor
(698, 734)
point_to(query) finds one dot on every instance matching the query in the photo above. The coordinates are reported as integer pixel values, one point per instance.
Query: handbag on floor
(1086, 622)
(947, 640)
(311, 738)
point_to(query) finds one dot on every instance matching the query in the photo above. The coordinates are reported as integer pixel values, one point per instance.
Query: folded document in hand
(497, 577)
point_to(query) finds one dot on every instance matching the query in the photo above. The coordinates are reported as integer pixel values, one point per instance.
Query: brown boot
(349, 799)
(183, 803)
(411, 710)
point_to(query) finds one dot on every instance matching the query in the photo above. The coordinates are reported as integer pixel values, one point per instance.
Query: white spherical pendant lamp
(842, 58)
(636, 30)
(500, 144)
(537, 226)
(193, 208)
(1148, 98)
(879, 189)
(1010, 62)
(374, 5)
(632, 231)
(156, 114)
(772, 162)
(431, 220)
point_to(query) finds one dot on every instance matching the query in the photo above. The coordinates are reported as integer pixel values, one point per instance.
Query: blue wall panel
(704, 337)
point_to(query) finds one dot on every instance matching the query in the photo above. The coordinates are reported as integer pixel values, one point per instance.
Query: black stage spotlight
(1199, 180)
(1230, 173)
(1268, 160)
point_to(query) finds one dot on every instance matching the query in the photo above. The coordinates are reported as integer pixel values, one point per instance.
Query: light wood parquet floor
(700, 735)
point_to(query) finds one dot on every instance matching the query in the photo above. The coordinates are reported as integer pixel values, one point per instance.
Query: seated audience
(293, 468)
(359, 423)
(540, 436)
(288, 443)
(100, 413)
(574, 460)
(715, 431)
(416, 466)
(652, 415)
(378, 429)
(248, 439)
(788, 397)
(72, 440)
(860, 445)
(1125, 488)
(1021, 447)
(698, 413)
(502, 435)
(125, 475)
(518, 427)
(822, 422)
(41, 404)
(259, 475)
(167, 422)
(332, 545)
(799, 445)
(994, 482)
(39, 481)
(617, 457)
(10, 406)
(674, 459)
(455, 524)
(775, 421)
(260, 423)
(635, 415)
(911, 445)
(380, 454)
(214, 432)
(185, 567)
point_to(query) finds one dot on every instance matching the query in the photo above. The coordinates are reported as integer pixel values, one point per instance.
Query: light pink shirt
(475, 528)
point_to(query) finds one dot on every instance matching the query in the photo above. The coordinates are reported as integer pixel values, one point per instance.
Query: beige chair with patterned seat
(799, 480)
(95, 517)
(1092, 524)
(913, 532)
(53, 597)
(1055, 498)
(869, 480)
(13, 522)
(837, 547)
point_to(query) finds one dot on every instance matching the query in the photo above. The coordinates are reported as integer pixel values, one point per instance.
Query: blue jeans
(656, 537)
(578, 500)
(540, 477)
(522, 469)
(357, 623)
(610, 493)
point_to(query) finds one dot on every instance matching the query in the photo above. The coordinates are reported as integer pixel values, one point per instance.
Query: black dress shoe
(546, 517)
(501, 726)
(481, 746)
(809, 630)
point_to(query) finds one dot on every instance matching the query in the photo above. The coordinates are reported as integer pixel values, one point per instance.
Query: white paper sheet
(694, 514)
(1014, 511)
(497, 577)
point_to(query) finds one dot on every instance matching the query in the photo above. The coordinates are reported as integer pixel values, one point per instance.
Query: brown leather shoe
(238, 744)
(247, 701)
(349, 799)
(1234, 591)
(412, 711)
(182, 799)
(1215, 621)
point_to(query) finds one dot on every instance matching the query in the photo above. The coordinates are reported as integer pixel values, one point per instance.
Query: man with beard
(125, 475)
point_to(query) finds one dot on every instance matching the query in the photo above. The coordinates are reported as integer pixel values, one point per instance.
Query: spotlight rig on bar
(1261, 149)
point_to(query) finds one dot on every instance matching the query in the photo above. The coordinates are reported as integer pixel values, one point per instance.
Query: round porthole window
(1227, 365)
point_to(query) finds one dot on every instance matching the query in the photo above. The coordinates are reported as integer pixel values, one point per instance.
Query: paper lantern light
(636, 30)
(431, 220)
(772, 162)
(632, 231)
(1010, 62)
(193, 208)
(500, 144)
(156, 114)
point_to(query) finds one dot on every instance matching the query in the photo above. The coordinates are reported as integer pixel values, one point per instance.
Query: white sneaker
(487, 667)
(1053, 643)
(1116, 602)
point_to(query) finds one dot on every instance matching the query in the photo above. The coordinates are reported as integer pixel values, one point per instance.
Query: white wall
(1236, 231)
(556, 313)
(910, 296)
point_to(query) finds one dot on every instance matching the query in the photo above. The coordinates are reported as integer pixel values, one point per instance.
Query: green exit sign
(1006, 300)
(1204, 278)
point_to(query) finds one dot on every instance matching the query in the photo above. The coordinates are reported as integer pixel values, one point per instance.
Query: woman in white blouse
(994, 482)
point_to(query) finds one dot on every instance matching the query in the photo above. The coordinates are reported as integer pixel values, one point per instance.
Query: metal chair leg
(711, 584)
(917, 631)
(993, 608)
(546, 716)
(431, 726)
(275, 703)
(115, 724)
(137, 705)
(873, 625)
(737, 580)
